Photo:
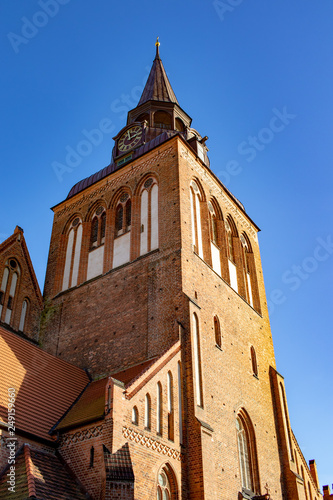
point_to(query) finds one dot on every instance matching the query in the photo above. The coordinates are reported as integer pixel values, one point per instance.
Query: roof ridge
(30, 474)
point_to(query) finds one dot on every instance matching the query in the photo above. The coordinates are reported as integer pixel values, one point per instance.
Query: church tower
(153, 256)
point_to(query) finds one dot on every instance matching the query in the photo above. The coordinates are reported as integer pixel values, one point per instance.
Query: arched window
(135, 415)
(123, 215)
(197, 362)
(170, 406)
(231, 234)
(247, 453)
(9, 284)
(215, 218)
(92, 456)
(304, 483)
(123, 222)
(97, 239)
(217, 331)
(73, 251)
(162, 119)
(196, 219)
(180, 125)
(149, 216)
(24, 315)
(285, 420)
(295, 455)
(166, 484)
(254, 361)
(147, 412)
(180, 402)
(310, 492)
(159, 402)
(97, 235)
(246, 251)
(143, 117)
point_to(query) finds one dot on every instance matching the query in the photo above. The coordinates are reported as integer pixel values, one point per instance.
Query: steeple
(158, 105)
(158, 87)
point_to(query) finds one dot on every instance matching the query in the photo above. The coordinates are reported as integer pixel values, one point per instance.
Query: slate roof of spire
(158, 87)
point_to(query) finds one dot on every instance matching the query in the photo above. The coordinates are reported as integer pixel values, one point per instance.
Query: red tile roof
(89, 407)
(91, 404)
(43, 476)
(45, 386)
(128, 375)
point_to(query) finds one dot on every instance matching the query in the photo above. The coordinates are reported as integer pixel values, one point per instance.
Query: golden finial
(157, 48)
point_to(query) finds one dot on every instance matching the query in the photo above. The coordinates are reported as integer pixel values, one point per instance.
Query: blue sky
(234, 67)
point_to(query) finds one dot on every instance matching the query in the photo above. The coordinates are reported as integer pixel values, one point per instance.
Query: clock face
(130, 138)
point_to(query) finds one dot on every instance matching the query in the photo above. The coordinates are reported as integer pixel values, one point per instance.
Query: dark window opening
(92, 456)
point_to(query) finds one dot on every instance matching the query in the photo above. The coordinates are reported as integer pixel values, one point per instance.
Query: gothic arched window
(147, 412)
(247, 257)
(247, 453)
(98, 223)
(196, 218)
(197, 363)
(159, 403)
(123, 214)
(215, 220)
(254, 361)
(170, 406)
(149, 216)
(73, 251)
(24, 315)
(135, 415)
(217, 331)
(123, 223)
(231, 234)
(166, 484)
(9, 285)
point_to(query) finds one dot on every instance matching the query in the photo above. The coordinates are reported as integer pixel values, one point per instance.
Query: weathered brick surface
(15, 248)
(137, 311)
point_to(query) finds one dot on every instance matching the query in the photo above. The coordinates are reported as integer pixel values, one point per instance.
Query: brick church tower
(154, 270)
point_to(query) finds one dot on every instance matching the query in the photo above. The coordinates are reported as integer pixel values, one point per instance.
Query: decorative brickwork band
(218, 192)
(110, 183)
(82, 435)
(151, 443)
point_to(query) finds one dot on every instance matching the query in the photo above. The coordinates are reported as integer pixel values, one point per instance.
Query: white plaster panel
(154, 217)
(69, 250)
(197, 208)
(77, 255)
(95, 262)
(121, 252)
(216, 260)
(249, 288)
(144, 223)
(4, 279)
(233, 275)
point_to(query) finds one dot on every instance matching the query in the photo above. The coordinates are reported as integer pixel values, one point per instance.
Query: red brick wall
(27, 287)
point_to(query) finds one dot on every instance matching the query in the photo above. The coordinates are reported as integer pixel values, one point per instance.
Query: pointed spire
(158, 87)
(157, 48)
